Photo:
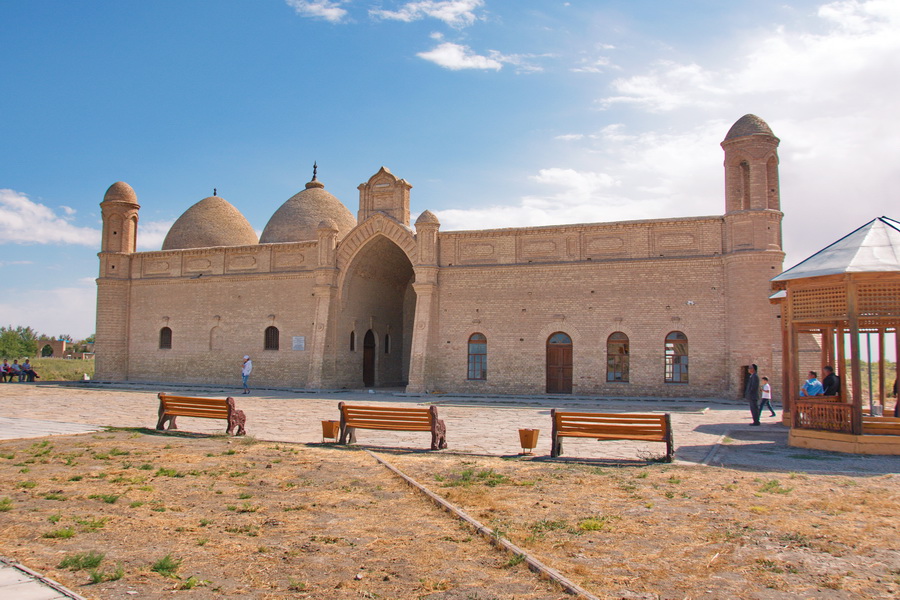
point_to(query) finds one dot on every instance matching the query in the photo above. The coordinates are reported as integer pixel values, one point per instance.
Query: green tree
(18, 342)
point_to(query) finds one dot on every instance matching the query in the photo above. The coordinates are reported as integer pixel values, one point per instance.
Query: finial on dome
(315, 183)
(214, 192)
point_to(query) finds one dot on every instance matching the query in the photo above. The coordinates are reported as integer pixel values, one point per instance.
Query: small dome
(748, 125)
(120, 192)
(298, 219)
(427, 218)
(211, 222)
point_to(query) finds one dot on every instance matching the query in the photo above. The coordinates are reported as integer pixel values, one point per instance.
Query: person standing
(832, 383)
(751, 393)
(766, 397)
(246, 369)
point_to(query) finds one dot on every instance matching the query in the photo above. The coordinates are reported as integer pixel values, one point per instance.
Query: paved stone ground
(706, 431)
(713, 432)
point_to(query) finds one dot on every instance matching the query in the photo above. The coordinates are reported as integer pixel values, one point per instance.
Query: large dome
(749, 125)
(211, 222)
(298, 219)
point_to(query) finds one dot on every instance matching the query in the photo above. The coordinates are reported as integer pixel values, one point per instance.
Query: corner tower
(119, 209)
(752, 249)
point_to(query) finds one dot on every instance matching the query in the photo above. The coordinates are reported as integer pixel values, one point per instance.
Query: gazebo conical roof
(874, 247)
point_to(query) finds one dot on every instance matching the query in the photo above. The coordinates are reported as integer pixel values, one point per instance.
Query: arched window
(477, 357)
(165, 339)
(617, 357)
(271, 338)
(676, 358)
(387, 343)
(352, 341)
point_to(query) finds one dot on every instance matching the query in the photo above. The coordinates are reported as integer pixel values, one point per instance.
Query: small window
(387, 343)
(271, 339)
(165, 339)
(477, 356)
(352, 341)
(617, 357)
(676, 358)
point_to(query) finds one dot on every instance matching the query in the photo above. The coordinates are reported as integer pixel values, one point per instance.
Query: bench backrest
(185, 406)
(881, 425)
(387, 417)
(639, 424)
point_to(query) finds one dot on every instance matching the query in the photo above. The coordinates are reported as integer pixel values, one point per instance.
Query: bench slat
(391, 418)
(611, 426)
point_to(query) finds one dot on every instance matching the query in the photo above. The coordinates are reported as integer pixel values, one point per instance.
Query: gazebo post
(842, 367)
(855, 374)
(881, 374)
(790, 378)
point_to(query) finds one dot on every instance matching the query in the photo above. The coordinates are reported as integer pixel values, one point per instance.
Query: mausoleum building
(327, 300)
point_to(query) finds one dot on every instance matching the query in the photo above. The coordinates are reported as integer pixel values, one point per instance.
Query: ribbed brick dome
(120, 192)
(298, 219)
(748, 125)
(211, 222)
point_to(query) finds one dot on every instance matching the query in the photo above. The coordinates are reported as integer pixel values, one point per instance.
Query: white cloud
(456, 57)
(319, 9)
(152, 233)
(65, 309)
(455, 13)
(25, 221)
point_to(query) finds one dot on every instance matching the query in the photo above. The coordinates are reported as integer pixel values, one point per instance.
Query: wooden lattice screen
(825, 303)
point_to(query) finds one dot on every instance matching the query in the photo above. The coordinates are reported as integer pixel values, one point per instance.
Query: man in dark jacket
(831, 383)
(751, 393)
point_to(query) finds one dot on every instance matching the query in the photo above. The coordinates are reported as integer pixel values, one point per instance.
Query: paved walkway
(712, 432)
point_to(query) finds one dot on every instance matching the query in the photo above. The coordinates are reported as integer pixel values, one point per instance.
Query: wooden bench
(606, 426)
(391, 418)
(880, 425)
(206, 408)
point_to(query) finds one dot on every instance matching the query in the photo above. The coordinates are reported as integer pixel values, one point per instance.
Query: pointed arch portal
(377, 296)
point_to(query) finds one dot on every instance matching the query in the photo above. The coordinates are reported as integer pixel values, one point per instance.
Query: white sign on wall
(298, 342)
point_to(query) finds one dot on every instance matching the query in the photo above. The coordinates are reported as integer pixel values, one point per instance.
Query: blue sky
(499, 114)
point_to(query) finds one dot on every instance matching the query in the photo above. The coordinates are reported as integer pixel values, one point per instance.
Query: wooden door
(559, 364)
(369, 359)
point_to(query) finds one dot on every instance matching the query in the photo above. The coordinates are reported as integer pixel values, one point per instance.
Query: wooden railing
(826, 413)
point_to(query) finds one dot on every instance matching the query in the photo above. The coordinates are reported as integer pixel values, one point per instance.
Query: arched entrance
(377, 298)
(559, 364)
(47, 351)
(369, 359)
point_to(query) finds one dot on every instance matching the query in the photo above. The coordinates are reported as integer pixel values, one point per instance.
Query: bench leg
(439, 436)
(556, 448)
(161, 425)
(236, 420)
(348, 435)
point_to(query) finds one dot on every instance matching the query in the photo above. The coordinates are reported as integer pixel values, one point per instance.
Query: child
(766, 397)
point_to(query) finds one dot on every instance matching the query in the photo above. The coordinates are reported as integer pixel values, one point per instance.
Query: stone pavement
(713, 432)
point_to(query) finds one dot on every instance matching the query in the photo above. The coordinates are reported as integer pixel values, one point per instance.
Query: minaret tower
(752, 249)
(120, 217)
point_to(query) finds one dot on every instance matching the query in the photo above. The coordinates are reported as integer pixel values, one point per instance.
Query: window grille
(165, 339)
(271, 338)
(617, 357)
(676, 358)
(477, 363)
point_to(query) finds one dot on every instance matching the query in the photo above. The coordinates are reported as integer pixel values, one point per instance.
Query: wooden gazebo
(846, 292)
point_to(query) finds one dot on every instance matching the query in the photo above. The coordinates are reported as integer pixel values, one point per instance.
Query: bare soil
(242, 518)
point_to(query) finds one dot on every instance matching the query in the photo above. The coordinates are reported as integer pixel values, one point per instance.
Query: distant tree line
(21, 342)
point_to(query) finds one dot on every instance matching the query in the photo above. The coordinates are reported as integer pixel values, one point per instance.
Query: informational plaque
(298, 342)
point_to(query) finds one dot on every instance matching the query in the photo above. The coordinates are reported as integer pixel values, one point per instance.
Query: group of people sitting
(830, 386)
(16, 372)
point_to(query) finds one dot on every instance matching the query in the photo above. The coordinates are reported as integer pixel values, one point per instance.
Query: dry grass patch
(216, 517)
(676, 531)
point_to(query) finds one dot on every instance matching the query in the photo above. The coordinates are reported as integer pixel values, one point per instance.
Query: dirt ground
(240, 518)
